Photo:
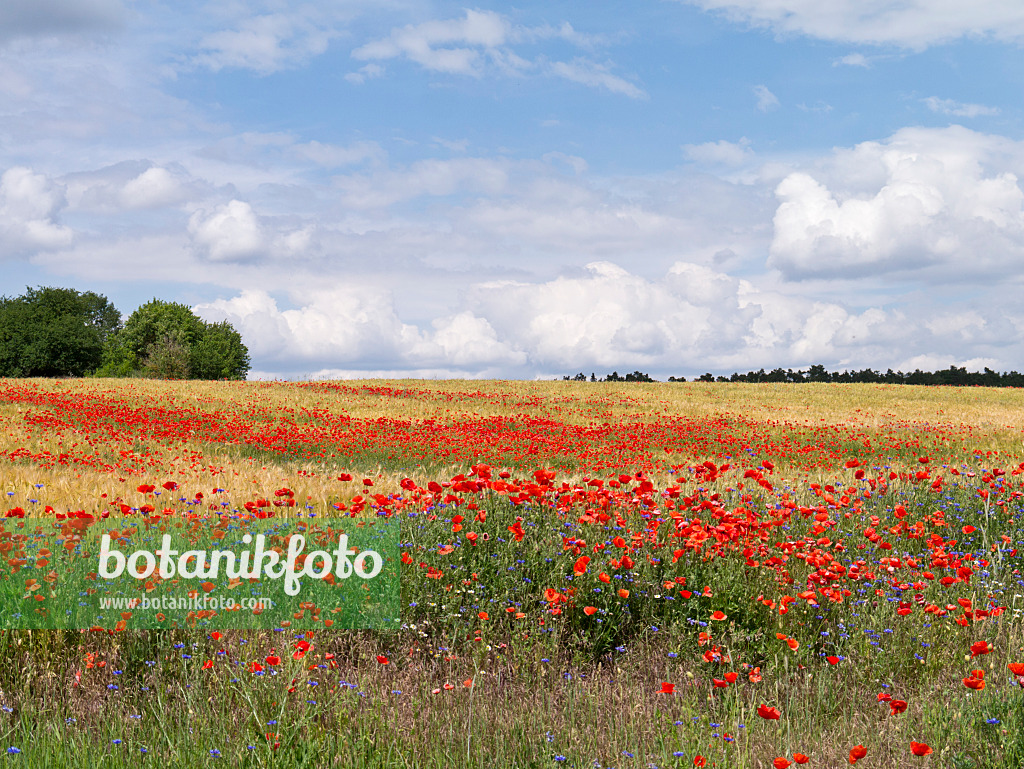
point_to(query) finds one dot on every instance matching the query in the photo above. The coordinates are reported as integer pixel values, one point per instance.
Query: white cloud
(154, 187)
(450, 46)
(968, 325)
(720, 153)
(229, 232)
(907, 23)
(29, 205)
(924, 197)
(467, 46)
(339, 325)
(467, 340)
(959, 109)
(265, 43)
(686, 321)
(364, 73)
(596, 75)
(766, 100)
(131, 185)
(853, 60)
(940, 362)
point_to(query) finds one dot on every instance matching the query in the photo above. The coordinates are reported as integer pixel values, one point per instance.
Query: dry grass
(982, 419)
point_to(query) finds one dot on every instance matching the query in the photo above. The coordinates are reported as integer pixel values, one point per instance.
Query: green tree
(167, 340)
(55, 332)
(219, 353)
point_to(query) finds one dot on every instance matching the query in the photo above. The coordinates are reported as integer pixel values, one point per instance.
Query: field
(592, 574)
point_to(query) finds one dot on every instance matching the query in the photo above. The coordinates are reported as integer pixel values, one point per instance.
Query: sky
(407, 188)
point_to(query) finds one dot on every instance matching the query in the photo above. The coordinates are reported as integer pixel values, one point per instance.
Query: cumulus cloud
(29, 206)
(229, 232)
(43, 18)
(908, 23)
(343, 326)
(131, 185)
(924, 197)
(690, 319)
(959, 109)
(334, 326)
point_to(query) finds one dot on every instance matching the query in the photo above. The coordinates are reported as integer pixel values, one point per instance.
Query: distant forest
(951, 377)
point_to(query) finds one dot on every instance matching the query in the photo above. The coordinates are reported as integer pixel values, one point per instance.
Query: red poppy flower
(699, 760)
(981, 647)
(857, 752)
(800, 758)
(382, 659)
(273, 659)
(667, 688)
(588, 610)
(1017, 668)
(780, 763)
(897, 707)
(772, 714)
(718, 615)
(919, 748)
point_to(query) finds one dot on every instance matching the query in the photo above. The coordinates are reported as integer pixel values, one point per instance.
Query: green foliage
(167, 358)
(219, 353)
(166, 340)
(51, 332)
(55, 332)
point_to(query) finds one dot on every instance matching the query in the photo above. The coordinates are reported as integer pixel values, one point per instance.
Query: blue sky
(446, 190)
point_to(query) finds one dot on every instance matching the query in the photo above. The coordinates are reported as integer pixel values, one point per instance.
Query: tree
(220, 353)
(166, 340)
(55, 332)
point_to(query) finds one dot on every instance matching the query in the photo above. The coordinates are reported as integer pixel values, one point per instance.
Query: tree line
(61, 332)
(636, 376)
(954, 376)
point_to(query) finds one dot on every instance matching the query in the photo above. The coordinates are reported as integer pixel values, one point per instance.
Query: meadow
(592, 574)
